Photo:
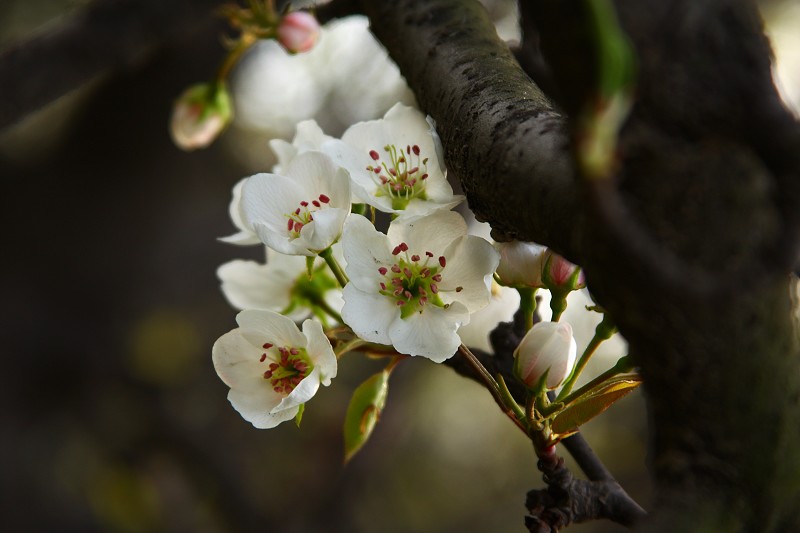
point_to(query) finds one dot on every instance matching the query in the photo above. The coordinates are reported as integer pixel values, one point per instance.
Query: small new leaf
(589, 405)
(364, 411)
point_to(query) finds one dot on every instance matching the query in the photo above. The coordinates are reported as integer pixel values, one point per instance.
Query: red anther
(383, 271)
(324, 198)
(395, 267)
(424, 177)
(401, 160)
(434, 288)
(397, 282)
(296, 380)
(374, 155)
(310, 218)
(267, 374)
(304, 203)
(403, 246)
(415, 257)
(267, 345)
(398, 291)
(429, 254)
(393, 172)
(423, 292)
(442, 261)
(407, 272)
(274, 366)
(425, 272)
(263, 358)
(423, 301)
(459, 288)
(297, 227)
(383, 286)
(397, 186)
(376, 170)
(384, 181)
(408, 149)
(437, 278)
(278, 389)
(396, 251)
(414, 170)
(316, 203)
(294, 351)
(297, 211)
(411, 183)
(415, 148)
(400, 303)
(408, 295)
(290, 224)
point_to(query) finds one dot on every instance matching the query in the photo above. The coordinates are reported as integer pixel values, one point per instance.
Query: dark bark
(708, 180)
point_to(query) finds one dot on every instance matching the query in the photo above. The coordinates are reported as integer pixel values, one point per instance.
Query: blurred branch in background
(106, 35)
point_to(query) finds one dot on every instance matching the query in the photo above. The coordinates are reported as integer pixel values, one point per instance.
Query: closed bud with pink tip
(548, 347)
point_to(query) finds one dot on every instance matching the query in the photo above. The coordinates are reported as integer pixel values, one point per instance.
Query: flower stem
(558, 304)
(527, 302)
(341, 277)
(242, 45)
(320, 302)
(349, 346)
(491, 384)
(605, 329)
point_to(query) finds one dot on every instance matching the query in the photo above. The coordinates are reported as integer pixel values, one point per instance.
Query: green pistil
(401, 176)
(288, 366)
(411, 282)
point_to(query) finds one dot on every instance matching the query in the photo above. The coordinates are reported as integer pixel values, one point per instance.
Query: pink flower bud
(561, 274)
(199, 116)
(547, 347)
(298, 31)
(521, 264)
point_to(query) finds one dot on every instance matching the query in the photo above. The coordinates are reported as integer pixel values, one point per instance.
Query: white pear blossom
(547, 347)
(299, 212)
(521, 264)
(271, 366)
(281, 285)
(414, 287)
(394, 163)
(501, 308)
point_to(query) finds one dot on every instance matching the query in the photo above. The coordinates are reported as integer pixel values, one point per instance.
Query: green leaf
(591, 404)
(363, 412)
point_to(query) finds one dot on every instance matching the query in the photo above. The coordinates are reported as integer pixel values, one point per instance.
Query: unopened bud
(298, 31)
(547, 347)
(521, 264)
(559, 274)
(199, 116)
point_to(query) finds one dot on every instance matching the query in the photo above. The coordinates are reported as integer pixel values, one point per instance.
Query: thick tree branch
(502, 136)
(105, 36)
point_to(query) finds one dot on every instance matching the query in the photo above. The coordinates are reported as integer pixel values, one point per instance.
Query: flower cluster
(409, 291)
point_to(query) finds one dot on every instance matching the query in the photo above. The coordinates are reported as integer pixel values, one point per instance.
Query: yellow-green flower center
(412, 282)
(401, 175)
(287, 368)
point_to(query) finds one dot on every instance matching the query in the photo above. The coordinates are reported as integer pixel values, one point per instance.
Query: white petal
(431, 333)
(272, 327)
(369, 314)
(432, 233)
(246, 235)
(236, 360)
(304, 391)
(284, 152)
(366, 250)
(502, 306)
(267, 199)
(471, 261)
(256, 407)
(324, 230)
(251, 285)
(320, 351)
(315, 172)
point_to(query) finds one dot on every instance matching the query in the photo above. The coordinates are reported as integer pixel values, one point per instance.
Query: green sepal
(364, 411)
(299, 416)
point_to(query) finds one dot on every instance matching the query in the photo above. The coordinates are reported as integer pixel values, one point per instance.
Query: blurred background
(113, 417)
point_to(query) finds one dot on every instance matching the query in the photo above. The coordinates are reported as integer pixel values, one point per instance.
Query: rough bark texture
(709, 172)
